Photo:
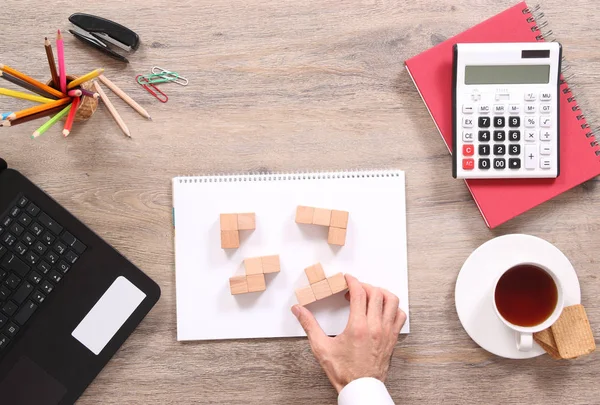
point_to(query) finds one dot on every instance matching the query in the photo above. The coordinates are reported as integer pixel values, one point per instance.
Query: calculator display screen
(507, 74)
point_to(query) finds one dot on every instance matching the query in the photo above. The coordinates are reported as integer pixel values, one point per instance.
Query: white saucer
(475, 284)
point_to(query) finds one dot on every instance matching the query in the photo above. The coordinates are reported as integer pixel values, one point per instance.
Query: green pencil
(51, 122)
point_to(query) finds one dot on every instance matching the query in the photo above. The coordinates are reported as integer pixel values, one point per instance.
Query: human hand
(365, 347)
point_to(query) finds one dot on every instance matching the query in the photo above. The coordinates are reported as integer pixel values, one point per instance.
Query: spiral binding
(540, 26)
(233, 178)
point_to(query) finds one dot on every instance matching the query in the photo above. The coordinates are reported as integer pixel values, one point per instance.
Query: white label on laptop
(108, 315)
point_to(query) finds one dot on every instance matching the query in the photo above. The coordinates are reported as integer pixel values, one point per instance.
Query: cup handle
(524, 341)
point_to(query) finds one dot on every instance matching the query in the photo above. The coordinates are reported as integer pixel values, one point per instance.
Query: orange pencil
(31, 81)
(38, 108)
(71, 117)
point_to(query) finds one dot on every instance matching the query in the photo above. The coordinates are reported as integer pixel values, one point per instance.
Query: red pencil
(71, 117)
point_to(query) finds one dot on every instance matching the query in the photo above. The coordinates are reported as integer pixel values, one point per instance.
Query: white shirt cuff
(365, 391)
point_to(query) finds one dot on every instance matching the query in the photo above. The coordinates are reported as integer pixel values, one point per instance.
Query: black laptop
(68, 300)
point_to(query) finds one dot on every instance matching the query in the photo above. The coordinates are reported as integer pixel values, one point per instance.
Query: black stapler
(99, 32)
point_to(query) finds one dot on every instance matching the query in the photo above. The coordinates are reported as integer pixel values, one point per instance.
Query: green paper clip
(155, 78)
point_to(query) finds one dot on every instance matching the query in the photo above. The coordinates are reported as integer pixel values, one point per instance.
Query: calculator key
(531, 157)
(4, 294)
(22, 202)
(499, 108)
(12, 281)
(545, 96)
(4, 341)
(546, 163)
(48, 239)
(484, 122)
(468, 109)
(52, 257)
(484, 109)
(484, 150)
(16, 229)
(545, 122)
(530, 108)
(9, 239)
(15, 212)
(468, 150)
(9, 308)
(55, 277)
(35, 278)
(545, 149)
(499, 136)
(530, 136)
(545, 135)
(468, 164)
(20, 248)
(514, 150)
(71, 257)
(6, 221)
(68, 238)
(25, 313)
(40, 248)
(514, 163)
(467, 136)
(60, 248)
(475, 95)
(51, 224)
(514, 108)
(78, 247)
(33, 209)
(484, 164)
(499, 150)
(22, 293)
(514, 122)
(467, 122)
(32, 258)
(530, 97)
(514, 136)
(28, 239)
(63, 267)
(499, 122)
(530, 122)
(11, 330)
(38, 297)
(36, 228)
(44, 267)
(25, 219)
(545, 108)
(484, 136)
(499, 164)
(47, 287)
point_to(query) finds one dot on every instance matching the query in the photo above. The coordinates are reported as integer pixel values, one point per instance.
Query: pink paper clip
(149, 88)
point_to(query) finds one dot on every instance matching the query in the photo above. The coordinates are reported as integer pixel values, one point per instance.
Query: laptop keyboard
(36, 252)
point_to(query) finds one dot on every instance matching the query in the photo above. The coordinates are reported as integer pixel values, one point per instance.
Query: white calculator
(506, 110)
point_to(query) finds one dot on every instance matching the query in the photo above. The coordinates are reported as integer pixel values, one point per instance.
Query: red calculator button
(468, 150)
(468, 164)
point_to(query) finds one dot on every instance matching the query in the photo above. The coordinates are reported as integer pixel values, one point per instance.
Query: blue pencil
(3, 116)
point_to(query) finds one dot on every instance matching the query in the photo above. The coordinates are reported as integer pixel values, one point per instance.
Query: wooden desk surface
(286, 86)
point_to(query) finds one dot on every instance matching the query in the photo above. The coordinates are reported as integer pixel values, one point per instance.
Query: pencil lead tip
(66, 133)
(150, 118)
(35, 135)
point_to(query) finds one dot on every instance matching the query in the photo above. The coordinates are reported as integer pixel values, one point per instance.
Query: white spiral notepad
(375, 250)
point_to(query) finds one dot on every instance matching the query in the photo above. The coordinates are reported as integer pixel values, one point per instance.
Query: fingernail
(296, 311)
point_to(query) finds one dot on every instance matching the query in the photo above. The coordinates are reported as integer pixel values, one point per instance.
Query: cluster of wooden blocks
(232, 224)
(320, 286)
(254, 279)
(337, 221)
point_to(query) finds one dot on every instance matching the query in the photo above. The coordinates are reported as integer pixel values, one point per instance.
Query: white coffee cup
(524, 334)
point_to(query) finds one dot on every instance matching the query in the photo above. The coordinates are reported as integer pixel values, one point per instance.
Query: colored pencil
(51, 63)
(62, 70)
(112, 110)
(42, 86)
(71, 117)
(31, 117)
(113, 87)
(38, 108)
(24, 96)
(85, 78)
(25, 85)
(51, 122)
(88, 93)
(74, 93)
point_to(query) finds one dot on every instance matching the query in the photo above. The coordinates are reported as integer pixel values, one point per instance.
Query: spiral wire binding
(540, 26)
(263, 176)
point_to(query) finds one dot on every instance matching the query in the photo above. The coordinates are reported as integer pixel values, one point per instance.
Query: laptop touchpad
(28, 384)
(108, 314)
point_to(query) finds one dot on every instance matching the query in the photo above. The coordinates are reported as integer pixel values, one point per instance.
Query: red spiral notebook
(501, 200)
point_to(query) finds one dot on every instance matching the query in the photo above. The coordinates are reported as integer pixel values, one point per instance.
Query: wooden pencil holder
(88, 105)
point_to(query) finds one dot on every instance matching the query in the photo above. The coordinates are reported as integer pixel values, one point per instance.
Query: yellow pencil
(25, 96)
(85, 78)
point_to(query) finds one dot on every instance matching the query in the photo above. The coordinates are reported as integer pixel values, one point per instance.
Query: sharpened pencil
(88, 93)
(75, 93)
(31, 117)
(112, 110)
(71, 117)
(85, 78)
(51, 63)
(38, 108)
(115, 89)
(62, 70)
(25, 85)
(25, 96)
(51, 122)
(24, 77)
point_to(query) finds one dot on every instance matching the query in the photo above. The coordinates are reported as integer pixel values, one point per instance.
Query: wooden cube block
(337, 236)
(305, 295)
(321, 217)
(246, 222)
(337, 283)
(321, 289)
(339, 219)
(315, 273)
(238, 285)
(230, 239)
(304, 215)
(229, 222)
(256, 282)
(253, 265)
(270, 264)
